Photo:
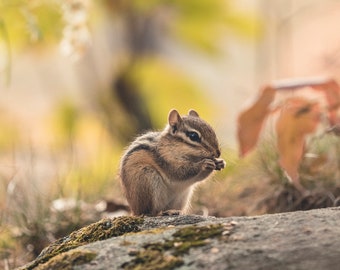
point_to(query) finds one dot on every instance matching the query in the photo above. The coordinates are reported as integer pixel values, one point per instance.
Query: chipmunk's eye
(193, 136)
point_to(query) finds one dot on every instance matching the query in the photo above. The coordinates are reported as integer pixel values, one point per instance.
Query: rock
(295, 240)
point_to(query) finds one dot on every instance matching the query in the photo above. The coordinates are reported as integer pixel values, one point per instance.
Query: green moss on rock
(153, 259)
(167, 254)
(194, 236)
(101, 230)
(66, 261)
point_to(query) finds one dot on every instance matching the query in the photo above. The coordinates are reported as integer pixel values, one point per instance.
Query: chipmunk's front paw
(209, 165)
(170, 212)
(219, 164)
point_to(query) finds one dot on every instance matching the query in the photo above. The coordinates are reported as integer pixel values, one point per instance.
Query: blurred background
(79, 79)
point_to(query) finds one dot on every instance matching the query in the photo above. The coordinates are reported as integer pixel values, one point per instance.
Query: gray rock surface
(295, 240)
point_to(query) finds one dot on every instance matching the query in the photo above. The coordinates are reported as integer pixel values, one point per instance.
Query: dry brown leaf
(331, 89)
(250, 121)
(298, 118)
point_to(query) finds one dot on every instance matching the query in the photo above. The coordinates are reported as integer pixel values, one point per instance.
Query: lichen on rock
(152, 258)
(168, 254)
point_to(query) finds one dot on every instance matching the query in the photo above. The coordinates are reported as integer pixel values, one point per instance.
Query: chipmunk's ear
(193, 113)
(174, 119)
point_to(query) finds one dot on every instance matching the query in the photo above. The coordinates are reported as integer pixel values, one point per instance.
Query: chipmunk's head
(196, 135)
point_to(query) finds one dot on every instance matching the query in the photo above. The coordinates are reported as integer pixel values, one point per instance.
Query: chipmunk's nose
(218, 153)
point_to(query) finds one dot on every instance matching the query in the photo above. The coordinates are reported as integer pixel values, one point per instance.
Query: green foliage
(93, 155)
(26, 22)
(144, 7)
(66, 120)
(7, 242)
(6, 48)
(30, 21)
(89, 182)
(322, 162)
(202, 23)
(165, 87)
(266, 160)
(199, 23)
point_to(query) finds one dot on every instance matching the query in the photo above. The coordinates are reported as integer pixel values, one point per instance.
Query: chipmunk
(159, 169)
